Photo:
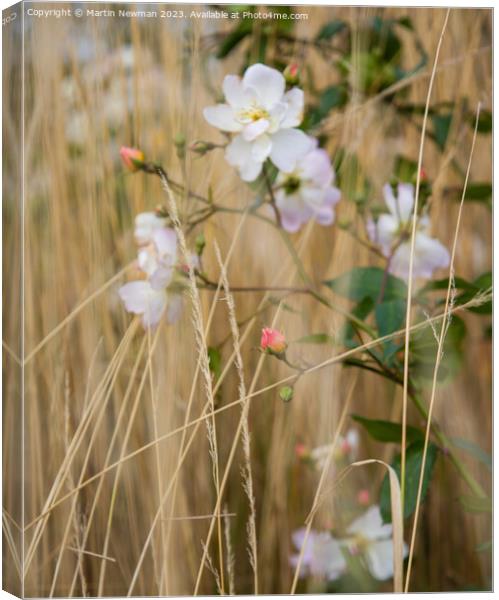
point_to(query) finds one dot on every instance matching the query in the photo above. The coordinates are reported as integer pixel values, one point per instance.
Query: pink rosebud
(423, 174)
(132, 158)
(272, 341)
(292, 74)
(363, 497)
(301, 450)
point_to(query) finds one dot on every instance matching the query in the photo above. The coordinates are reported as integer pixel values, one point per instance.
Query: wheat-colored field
(137, 461)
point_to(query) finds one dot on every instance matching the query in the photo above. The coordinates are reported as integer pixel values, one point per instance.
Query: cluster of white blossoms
(367, 536)
(264, 118)
(392, 232)
(157, 259)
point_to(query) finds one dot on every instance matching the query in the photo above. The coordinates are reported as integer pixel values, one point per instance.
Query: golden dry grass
(101, 388)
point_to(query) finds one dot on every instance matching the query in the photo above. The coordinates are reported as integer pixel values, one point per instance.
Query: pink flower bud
(292, 74)
(422, 174)
(272, 341)
(363, 497)
(132, 158)
(301, 450)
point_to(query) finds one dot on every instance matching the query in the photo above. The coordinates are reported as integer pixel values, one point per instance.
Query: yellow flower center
(254, 113)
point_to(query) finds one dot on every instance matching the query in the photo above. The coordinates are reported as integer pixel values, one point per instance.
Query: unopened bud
(292, 74)
(286, 393)
(201, 148)
(132, 158)
(273, 341)
(179, 141)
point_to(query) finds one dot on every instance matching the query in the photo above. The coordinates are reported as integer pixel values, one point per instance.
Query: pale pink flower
(373, 539)
(272, 341)
(307, 192)
(429, 253)
(322, 555)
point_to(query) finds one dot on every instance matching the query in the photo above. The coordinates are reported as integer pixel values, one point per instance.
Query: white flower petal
(386, 232)
(260, 148)
(175, 305)
(332, 196)
(405, 199)
(327, 558)
(268, 83)
(222, 117)
(165, 240)
(140, 298)
(145, 225)
(316, 165)
(429, 254)
(370, 525)
(255, 129)
(379, 559)
(239, 154)
(294, 113)
(234, 91)
(288, 146)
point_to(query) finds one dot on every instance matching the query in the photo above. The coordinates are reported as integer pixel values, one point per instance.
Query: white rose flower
(307, 192)
(374, 540)
(429, 253)
(322, 556)
(264, 117)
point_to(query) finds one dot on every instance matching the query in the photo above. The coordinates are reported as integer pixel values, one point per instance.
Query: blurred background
(98, 387)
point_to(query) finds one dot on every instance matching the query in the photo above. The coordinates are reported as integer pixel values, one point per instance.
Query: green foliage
(367, 282)
(478, 192)
(215, 361)
(331, 29)
(414, 458)
(484, 121)
(469, 289)
(423, 350)
(388, 431)
(441, 128)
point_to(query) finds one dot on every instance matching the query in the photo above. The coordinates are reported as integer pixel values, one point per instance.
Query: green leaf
(476, 504)
(474, 450)
(335, 96)
(413, 462)
(388, 431)
(424, 346)
(366, 282)
(390, 316)
(316, 338)
(215, 361)
(329, 30)
(441, 128)
(484, 121)
(478, 192)
(361, 311)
